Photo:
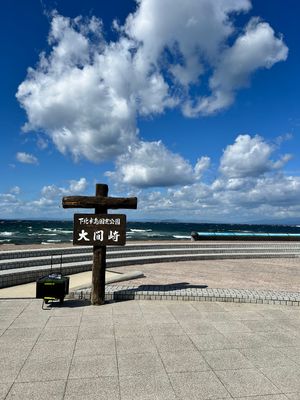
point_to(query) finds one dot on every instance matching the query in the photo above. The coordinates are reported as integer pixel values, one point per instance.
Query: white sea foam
(57, 230)
(7, 234)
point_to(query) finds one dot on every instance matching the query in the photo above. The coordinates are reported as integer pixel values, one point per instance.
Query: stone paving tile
(177, 308)
(161, 318)
(226, 359)
(97, 320)
(105, 310)
(272, 314)
(44, 370)
(281, 339)
(241, 340)
(292, 353)
(267, 397)
(264, 357)
(246, 382)
(12, 308)
(287, 379)
(169, 343)
(95, 332)
(5, 322)
(199, 327)
(184, 361)
(294, 324)
(37, 391)
(52, 350)
(68, 309)
(260, 325)
(66, 320)
(128, 318)
(173, 329)
(9, 369)
(246, 315)
(146, 387)
(148, 307)
(198, 386)
(58, 333)
(291, 312)
(231, 327)
(137, 364)
(20, 334)
(127, 329)
(208, 306)
(93, 366)
(102, 388)
(125, 307)
(286, 325)
(195, 316)
(95, 347)
(26, 321)
(141, 344)
(293, 396)
(4, 388)
(14, 350)
(211, 342)
(216, 316)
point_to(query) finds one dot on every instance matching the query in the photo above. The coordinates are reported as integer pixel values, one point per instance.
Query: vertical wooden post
(99, 257)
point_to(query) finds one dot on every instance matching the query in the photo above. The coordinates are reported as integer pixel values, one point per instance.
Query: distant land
(284, 221)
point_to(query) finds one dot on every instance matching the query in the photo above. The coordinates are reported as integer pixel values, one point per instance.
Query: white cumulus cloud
(256, 48)
(87, 94)
(26, 158)
(51, 192)
(249, 157)
(151, 164)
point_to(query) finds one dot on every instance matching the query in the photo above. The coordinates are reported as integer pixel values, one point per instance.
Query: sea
(51, 232)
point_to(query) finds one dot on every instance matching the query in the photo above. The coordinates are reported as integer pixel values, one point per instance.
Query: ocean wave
(52, 241)
(5, 240)
(7, 234)
(140, 230)
(57, 230)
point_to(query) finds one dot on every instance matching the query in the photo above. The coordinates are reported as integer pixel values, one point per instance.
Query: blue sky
(191, 106)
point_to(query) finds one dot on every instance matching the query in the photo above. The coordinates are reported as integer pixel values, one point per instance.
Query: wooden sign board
(99, 229)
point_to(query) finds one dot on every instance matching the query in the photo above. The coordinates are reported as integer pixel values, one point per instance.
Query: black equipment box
(52, 286)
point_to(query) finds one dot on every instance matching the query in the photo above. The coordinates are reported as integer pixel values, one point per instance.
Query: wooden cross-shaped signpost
(99, 229)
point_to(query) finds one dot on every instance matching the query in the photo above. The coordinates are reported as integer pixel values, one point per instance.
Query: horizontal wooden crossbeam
(94, 201)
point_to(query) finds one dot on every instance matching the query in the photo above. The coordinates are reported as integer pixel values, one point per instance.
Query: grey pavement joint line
(70, 365)
(169, 380)
(117, 360)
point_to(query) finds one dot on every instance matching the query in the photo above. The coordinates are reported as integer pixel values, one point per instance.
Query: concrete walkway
(82, 279)
(149, 350)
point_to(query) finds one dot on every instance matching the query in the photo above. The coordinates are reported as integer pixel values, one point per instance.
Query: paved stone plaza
(149, 350)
